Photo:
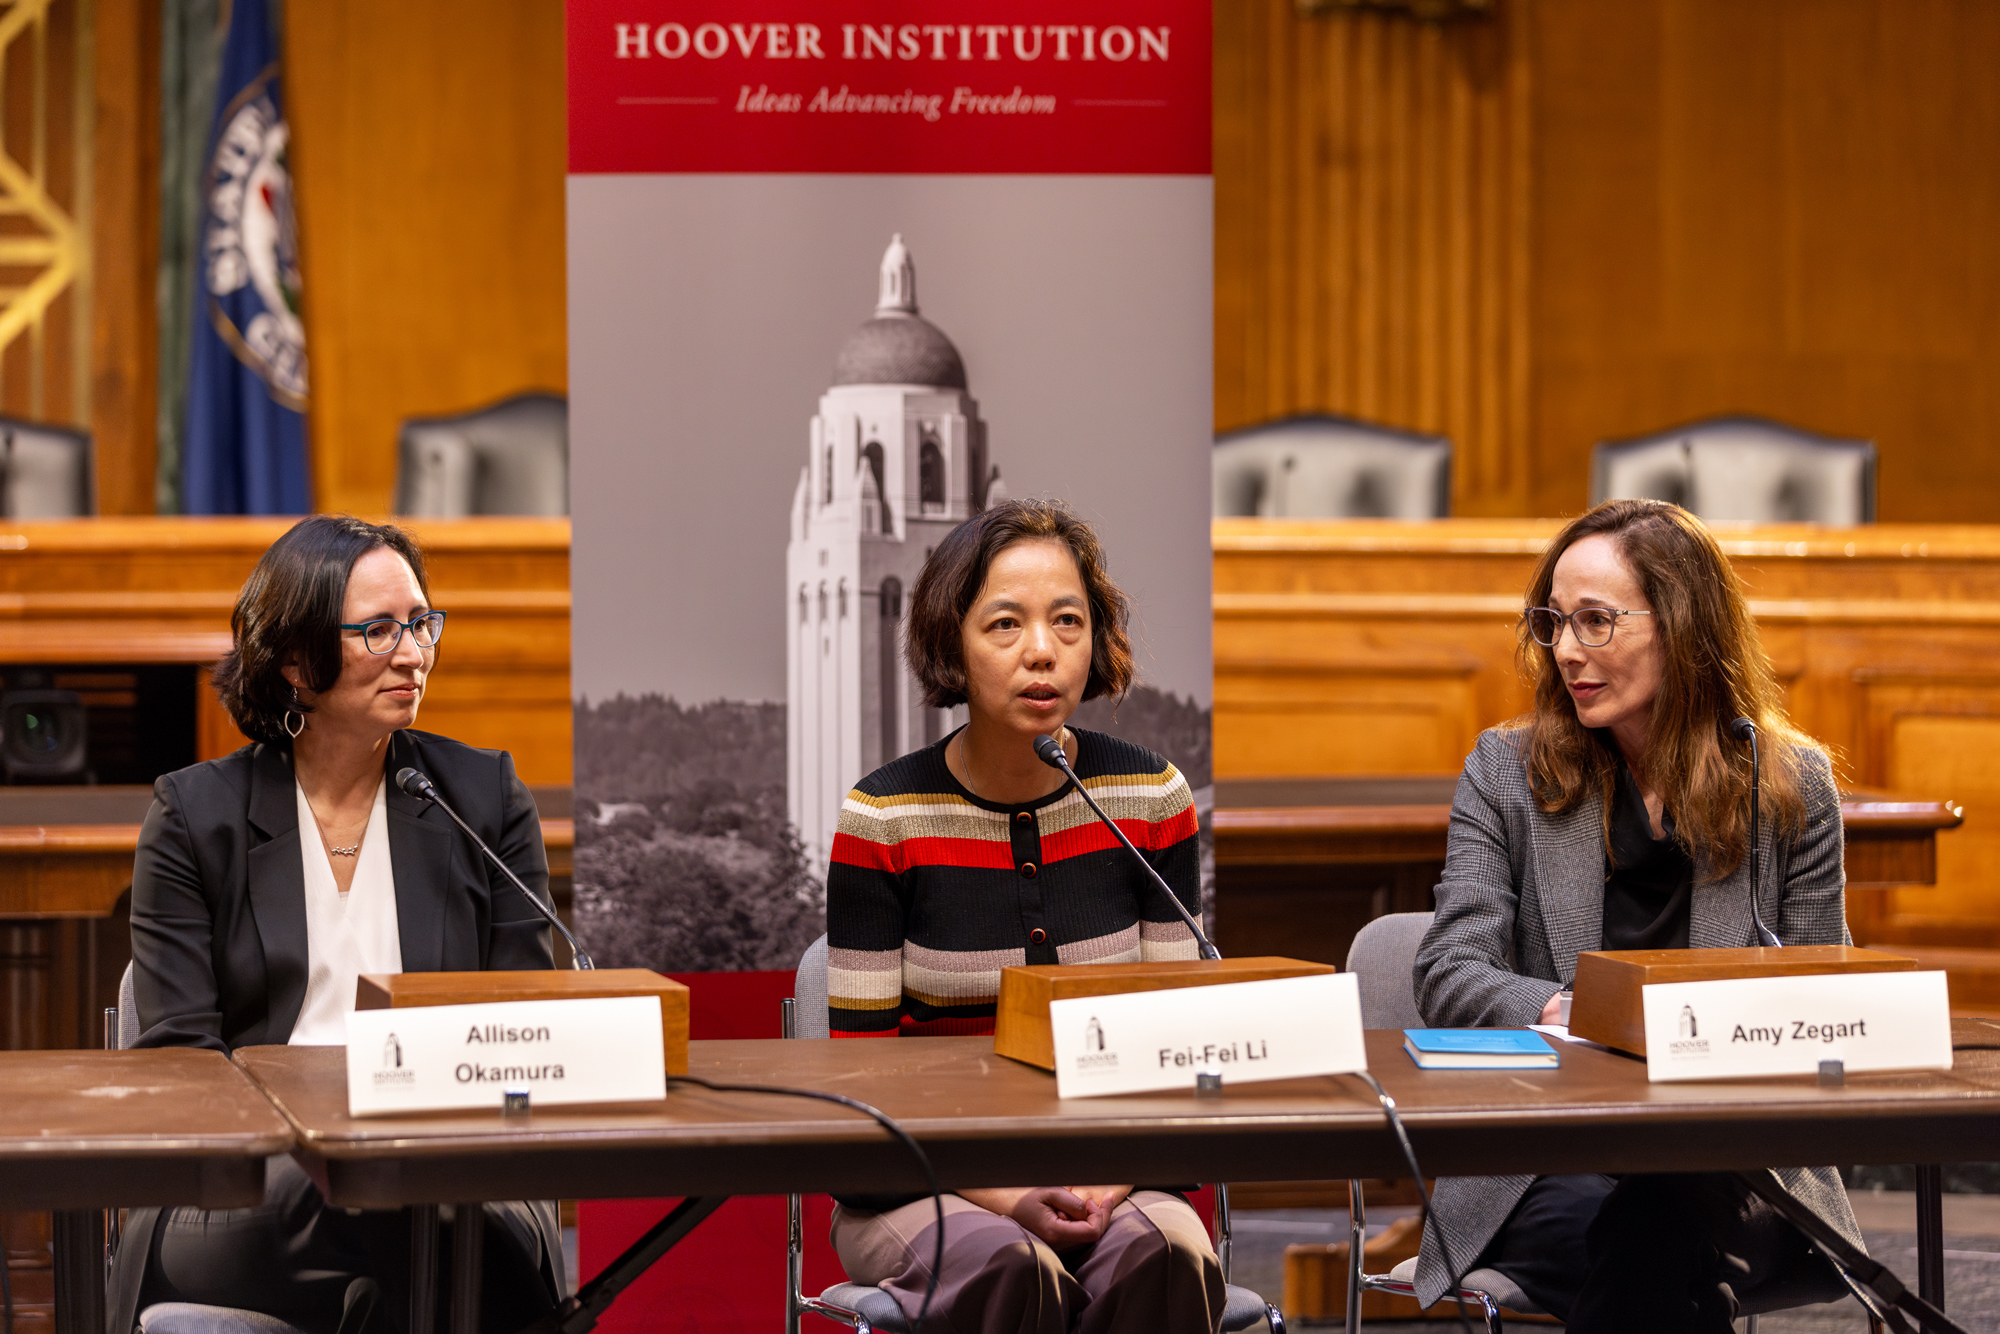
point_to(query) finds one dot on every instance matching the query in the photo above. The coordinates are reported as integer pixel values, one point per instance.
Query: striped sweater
(932, 891)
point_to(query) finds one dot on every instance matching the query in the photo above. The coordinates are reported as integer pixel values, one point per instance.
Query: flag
(245, 449)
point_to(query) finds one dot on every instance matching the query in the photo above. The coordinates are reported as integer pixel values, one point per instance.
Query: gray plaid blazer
(1523, 894)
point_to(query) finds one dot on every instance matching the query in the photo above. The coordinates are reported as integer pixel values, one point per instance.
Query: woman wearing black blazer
(267, 880)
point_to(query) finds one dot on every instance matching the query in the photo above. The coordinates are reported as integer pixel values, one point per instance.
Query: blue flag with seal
(246, 426)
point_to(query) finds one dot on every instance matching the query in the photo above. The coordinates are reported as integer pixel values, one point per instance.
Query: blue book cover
(1482, 1041)
(1477, 1048)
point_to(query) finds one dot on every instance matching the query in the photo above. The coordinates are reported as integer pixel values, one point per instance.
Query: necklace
(350, 851)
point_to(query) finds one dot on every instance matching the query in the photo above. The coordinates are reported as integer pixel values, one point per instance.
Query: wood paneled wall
(124, 339)
(1573, 221)
(429, 151)
(1371, 228)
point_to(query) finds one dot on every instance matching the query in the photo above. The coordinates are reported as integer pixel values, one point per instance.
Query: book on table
(1479, 1049)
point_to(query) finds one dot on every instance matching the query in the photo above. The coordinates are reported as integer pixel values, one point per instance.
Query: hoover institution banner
(840, 275)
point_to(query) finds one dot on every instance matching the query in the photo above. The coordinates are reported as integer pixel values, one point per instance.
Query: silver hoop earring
(291, 713)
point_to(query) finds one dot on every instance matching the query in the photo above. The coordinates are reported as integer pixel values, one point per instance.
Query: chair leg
(1750, 1325)
(795, 1263)
(1357, 1236)
(1224, 1241)
(795, 1235)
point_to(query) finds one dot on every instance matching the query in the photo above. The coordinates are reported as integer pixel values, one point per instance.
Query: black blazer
(218, 888)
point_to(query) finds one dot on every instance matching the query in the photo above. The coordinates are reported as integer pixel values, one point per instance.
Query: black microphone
(413, 782)
(1050, 752)
(1745, 730)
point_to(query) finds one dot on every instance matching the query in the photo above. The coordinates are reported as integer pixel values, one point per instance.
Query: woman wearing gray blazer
(1615, 816)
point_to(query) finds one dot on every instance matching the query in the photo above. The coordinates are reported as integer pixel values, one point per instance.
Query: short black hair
(290, 612)
(956, 571)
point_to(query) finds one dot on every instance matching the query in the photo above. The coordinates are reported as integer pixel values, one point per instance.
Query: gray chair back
(1742, 470)
(510, 458)
(45, 471)
(809, 1016)
(1383, 959)
(1324, 467)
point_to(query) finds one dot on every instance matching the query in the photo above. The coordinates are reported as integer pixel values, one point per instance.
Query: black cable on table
(1452, 1272)
(887, 1123)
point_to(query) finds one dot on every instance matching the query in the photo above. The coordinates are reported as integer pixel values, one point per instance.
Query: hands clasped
(1066, 1217)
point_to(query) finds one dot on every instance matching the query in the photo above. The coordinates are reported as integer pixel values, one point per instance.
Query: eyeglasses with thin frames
(382, 636)
(1593, 625)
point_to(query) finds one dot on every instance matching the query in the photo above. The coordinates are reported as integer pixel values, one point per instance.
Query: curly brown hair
(1715, 672)
(289, 613)
(956, 571)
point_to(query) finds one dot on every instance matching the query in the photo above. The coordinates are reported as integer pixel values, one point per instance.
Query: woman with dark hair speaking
(268, 881)
(1616, 816)
(971, 854)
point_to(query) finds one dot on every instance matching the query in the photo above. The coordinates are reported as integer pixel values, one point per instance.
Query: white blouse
(346, 934)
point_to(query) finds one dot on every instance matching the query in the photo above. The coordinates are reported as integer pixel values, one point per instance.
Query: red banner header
(1117, 87)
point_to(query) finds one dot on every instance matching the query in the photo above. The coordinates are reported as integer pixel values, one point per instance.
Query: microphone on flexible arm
(1050, 752)
(1745, 730)
(417, 785)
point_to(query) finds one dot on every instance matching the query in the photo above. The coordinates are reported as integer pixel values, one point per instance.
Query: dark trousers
(1646, 1254)
(293, 1256)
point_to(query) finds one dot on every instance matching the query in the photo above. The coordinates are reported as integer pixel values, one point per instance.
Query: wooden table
(83, 1131)
(989, 1121)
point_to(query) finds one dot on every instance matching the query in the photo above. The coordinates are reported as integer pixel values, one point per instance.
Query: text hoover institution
(1021, 42)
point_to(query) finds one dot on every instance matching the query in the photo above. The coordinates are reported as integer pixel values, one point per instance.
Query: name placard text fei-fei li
(1278, 1028)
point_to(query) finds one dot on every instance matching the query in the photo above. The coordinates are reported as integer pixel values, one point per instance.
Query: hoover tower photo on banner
(897, 460)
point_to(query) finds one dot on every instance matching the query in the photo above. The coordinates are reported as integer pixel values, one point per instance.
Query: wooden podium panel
(1021, 1025)
(160, 590)
(1609, 1006)
(1372, 646)
(395, 991)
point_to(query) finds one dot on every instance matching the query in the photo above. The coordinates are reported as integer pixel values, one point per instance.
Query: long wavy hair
(1715, 673)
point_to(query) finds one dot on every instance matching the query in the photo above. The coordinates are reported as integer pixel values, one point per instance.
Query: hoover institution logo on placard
(393, 1071)
(1095, 1059)
(1690, 1042)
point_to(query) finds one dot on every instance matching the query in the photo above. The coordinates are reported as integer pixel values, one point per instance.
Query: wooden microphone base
(1609, 1005)
(395, 991)
(1021, 1026)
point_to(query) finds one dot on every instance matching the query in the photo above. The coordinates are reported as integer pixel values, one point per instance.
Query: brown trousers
(1153, 1272)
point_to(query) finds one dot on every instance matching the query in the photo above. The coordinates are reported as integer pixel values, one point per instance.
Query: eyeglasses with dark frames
(1593, 625)
(382, 636)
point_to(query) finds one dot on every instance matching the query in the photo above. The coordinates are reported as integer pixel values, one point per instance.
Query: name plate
(1282, 1028)
(1745, 1026)
(444, 1057)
